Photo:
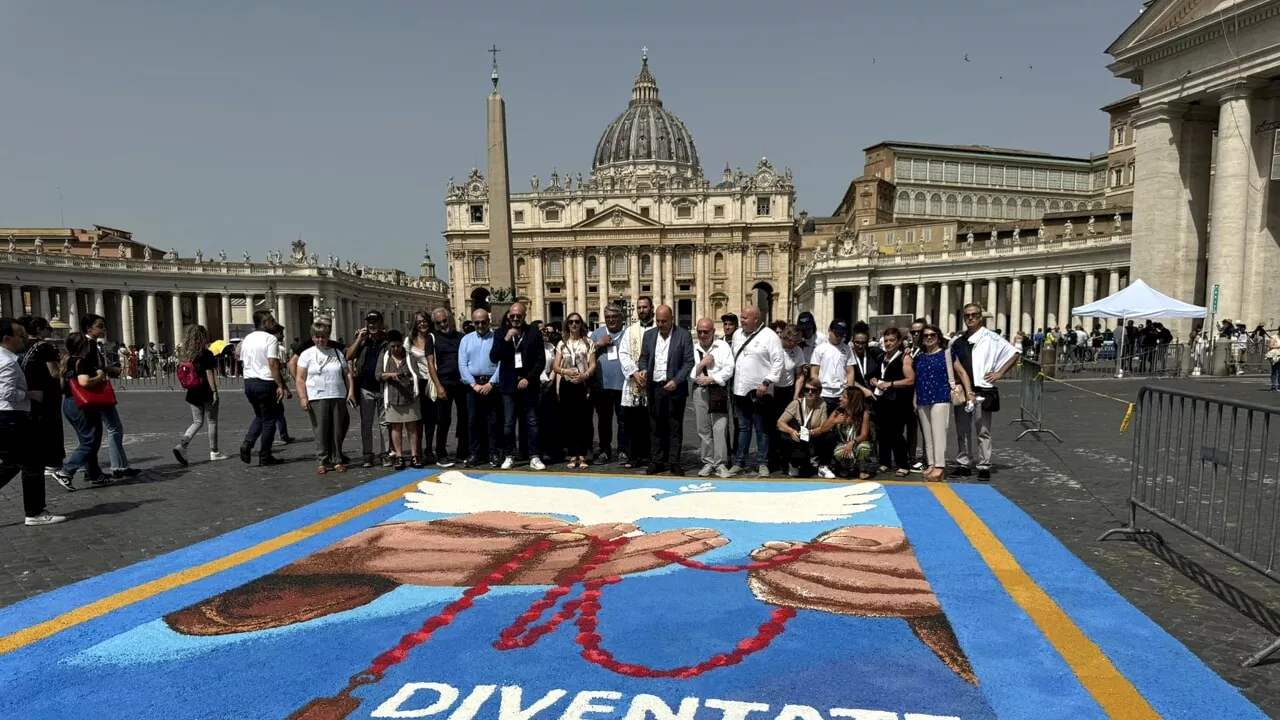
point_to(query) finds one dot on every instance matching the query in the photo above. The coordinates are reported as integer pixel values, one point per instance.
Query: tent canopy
(1139, 301)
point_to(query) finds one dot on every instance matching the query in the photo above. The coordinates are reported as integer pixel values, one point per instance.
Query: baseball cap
(373, 316)
(729, 317)
(806, 318)
(839, 326)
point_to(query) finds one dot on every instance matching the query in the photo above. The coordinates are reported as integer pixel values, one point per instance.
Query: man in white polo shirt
(263, 385)
(758, 366)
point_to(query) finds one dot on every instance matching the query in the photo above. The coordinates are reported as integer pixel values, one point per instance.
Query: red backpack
(188, 376)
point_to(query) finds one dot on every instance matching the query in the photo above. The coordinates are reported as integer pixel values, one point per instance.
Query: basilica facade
(646, 221)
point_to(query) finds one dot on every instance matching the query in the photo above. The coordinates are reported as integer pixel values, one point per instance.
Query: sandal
(901, 472)
(320, 470)
(339, 468)
(864, 476)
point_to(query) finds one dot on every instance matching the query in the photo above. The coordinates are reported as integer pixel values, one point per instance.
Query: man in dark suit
(666, 360)
(520, 354)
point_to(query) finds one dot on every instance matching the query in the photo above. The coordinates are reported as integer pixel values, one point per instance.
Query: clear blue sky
(241, 125)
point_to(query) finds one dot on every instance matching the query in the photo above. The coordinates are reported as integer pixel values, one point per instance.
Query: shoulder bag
(99, 397)
(957, 392)
(717, 397)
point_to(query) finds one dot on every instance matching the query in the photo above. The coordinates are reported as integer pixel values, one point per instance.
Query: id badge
(612, 354)
(804, 434)
(519, 361)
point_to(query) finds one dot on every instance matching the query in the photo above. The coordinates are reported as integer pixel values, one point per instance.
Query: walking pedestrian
(82, 364)
(95, 327)
(363, 355)
(326, 389)
(264, 387)
(403, 413)
(985, 357)
(712, 374)
(518, 350)
(196, 372)
(40, 366)
(575, 363)
(285, 355)
(20, 453)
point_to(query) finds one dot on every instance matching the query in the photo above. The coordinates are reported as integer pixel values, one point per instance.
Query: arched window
(935, 204)
(1055, 206)
(997, 208)
(917, 207)
(904, 203)
(521, 270)
(762, 262)
(480, 268)
(646, 265)
(619, 265)
(717, 264)
(966, 206)
(1026, 210)
(1040, 208)
(593, 267)
(684, 262)
(1095, 206)
(952, 208)
(555, 265)
(982, 207)
(1069, 206)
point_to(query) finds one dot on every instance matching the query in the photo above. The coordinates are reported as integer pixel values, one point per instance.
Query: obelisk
(501, 280)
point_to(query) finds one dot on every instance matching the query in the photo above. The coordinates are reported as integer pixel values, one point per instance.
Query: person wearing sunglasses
(575, 363)
(986, 357)
(363, 356)
(805, 435)
(938, 374)
(520, 356)
(484, 407)
(452, 397)
(711, 376)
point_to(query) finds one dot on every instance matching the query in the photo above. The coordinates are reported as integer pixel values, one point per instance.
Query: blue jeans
(753, 413)
(1275, 376)
(266, 413)
(87, 425)
(523, 404)
(115, 438)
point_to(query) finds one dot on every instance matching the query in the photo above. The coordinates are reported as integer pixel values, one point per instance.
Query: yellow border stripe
(124, 598)
(1113, 691)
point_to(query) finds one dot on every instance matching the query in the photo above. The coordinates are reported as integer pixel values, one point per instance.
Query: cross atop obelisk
(494, 75)
(501, 280)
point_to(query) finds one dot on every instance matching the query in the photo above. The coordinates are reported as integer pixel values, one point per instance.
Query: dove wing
(771, 507)
(456, 493)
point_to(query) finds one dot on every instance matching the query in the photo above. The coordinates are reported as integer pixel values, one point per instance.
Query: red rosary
(523, 633)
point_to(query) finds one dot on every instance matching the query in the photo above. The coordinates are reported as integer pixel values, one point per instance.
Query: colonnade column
(42, 296)
(993, 296)
(897, 299)
(226, 317)
(1231, 185)
(864, 302)
(153, 318)
(1113, 287)
(99, 304)
(18, 308)
(945, 320)
(1090, 287)
(126, 317)
(1015, 306)
(202, 314)
(580, 269)
(1064, 299)
(1039, 321)
(921, 289)
(175, 302)
(282, 311)
(968, 291)
(73, 309)
(655, 263)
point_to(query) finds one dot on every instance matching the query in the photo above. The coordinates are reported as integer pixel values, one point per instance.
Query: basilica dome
(646, 133)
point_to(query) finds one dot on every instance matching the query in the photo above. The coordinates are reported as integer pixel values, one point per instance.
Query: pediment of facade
(619, 218)
(1166, 17)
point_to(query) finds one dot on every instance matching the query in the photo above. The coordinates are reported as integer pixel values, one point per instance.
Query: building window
(1117, 137)
(1026, 210)
(997, 208)
(926, 235)
(591, 212)
(1082, 181)
(1069, 206)
(717, 264)
(935, 204)
(1055, 206)
(1117, 177)
(904, 203)
(966, 206)
(684, 287)
(1040, 207)
(684, 211)
(480, 268)
(555, 265)
(902, 169)
(982, 207)
(935, 171)
(952, 172)
(911, 237)
(762, 262)
(997, 175)
(982, 174)
(477, 213)
(718, 211)
(1055, 179)
(619, 265)
(593, 267)
(519, 216)
(1025, 176)
(521, 268)
(1041, 179)
(952, 208)
(966, 172)
(1131, 166)
(762, 206)
(917, 205)
(644, 211)
(552, 215)
(646, 265)
(684, 262)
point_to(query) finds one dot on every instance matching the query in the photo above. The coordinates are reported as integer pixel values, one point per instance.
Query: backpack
(188, 376)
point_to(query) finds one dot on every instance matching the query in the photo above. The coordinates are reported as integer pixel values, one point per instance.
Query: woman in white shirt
(325, 390)
(575, 363)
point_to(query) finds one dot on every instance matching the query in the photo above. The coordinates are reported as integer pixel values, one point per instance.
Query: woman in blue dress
(934, 382)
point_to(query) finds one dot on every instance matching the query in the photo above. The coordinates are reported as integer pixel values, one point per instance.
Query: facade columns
(864, 302)
(18, 308)
(827, 305)
(580, 271)
(99, 305)
(1015, 306)
(656, 263)
(1231, 187)
(175, 302)
(1039, 320)
(945, 320)
(993, 295)
(633, 264)
(282, 310)
(153, 319)
(570, 285)
(1090, 287)
(897, 299)
(226, 317)
(1064, 299)
(700, 285)
(126, 317)
(921, 292)
(46, 303)
(73, 309)
(202, 315)
(968, 291)
(539, 298)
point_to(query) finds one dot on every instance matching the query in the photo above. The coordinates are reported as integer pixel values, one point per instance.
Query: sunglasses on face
(705, 332)
(575, 322)
(813, 391)
(515, 316)
(481, 322)
(972, 316)
(932, 335)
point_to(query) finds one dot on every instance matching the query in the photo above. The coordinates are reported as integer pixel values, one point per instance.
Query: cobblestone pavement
(1075, 489)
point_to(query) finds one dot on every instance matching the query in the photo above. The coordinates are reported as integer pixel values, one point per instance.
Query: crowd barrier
(1209, 468)
(1031, 400)
(168, 381)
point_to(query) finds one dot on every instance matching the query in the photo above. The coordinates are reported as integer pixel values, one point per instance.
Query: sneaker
(180, 454)
(825, 472)
(387, 460)
(102, 480)
(793, 472)
(676, 469)
(602, 458)
(471, 462)
(215, 456)
(269, 461)
(917, 467)
(537, 464)
(722, 471)
(959, 471)
(733, 470)
(46, 519)
(509, 463)
(984, 474)
(67, 481)
(763, 471)
(246, 454)
(126, 473)
(707, 470)
(51, 471)
(623, 459)
(368, 461)
(445, 462)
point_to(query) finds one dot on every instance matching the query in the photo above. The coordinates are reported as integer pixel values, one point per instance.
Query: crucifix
(494, 75)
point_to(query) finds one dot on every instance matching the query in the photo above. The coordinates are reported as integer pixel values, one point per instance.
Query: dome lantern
(647, 133)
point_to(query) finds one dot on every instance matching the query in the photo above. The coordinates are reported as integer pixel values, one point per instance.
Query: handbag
(957, 392)
(98, 397)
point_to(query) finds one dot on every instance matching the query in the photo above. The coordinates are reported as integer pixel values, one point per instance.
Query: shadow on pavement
(109, 508)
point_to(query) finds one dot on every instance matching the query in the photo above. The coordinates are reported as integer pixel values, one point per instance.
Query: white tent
(1139, 301)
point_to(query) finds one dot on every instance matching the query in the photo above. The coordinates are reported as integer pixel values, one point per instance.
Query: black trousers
(485, 412)
(47, 416)
(799, 455)
(666, 420)
(638, 426)
(608, 404)
(575, 414)
(20, 454)
(891, 420)
(455, 396)
(550, 436)
(426, 408)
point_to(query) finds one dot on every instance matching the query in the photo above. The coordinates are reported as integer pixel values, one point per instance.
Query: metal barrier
(1031, 400)
(1209, 468)
(165, 381)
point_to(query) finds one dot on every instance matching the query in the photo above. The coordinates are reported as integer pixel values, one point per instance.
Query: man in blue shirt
(606, 386)
(484, 403)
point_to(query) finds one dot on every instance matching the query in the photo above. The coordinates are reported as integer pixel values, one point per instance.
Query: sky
(245, 125)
